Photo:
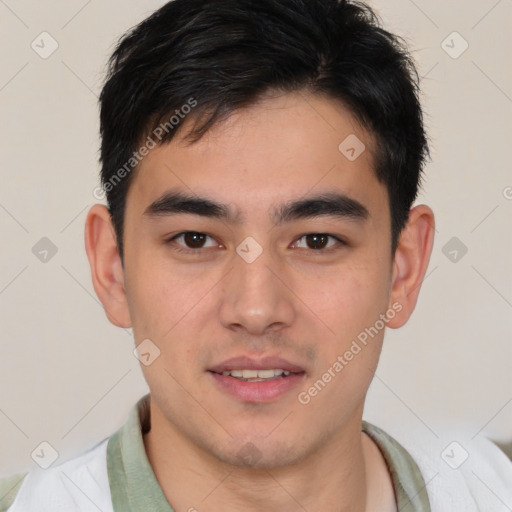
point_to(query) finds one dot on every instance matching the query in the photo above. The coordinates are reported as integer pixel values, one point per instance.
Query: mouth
(265, 375)
(256, 381)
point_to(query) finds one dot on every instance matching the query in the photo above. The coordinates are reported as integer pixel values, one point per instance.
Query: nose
(255, 296)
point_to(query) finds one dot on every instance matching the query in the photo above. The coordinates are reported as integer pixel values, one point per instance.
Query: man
(260, 161)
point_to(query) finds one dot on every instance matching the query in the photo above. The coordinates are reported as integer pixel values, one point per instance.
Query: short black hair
(204, 59)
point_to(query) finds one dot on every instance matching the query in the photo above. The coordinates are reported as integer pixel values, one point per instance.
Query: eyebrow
(330, 204)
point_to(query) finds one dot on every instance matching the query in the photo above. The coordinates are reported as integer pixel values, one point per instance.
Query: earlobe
(106, 269)
(411, 261)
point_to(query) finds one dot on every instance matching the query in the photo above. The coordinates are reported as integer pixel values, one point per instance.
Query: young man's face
(289, 307)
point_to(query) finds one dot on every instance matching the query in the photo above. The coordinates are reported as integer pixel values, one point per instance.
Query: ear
(410, 263)
(106, 269)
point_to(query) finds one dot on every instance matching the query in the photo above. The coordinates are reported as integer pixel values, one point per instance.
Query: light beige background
(68, 377)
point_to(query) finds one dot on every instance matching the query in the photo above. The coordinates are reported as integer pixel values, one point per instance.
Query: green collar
(134, 487)
(410, 487)
(133, 484)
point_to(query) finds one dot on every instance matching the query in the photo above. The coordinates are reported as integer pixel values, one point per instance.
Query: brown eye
(316, 241)
(194, 240)
(319, 242)
(191, 241)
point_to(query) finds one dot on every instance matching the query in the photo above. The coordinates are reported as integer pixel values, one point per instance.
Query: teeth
(251, 374)
(256, 374)
(262, 374)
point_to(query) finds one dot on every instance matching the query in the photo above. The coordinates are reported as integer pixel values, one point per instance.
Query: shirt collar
(134, 487)
(408, 482)
(133, 484)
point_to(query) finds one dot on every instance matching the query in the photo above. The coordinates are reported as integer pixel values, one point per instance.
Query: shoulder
(78, 484)
(463, 471)
(9, 487)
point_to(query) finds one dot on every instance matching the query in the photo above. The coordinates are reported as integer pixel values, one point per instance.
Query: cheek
(351, 306)
(163, 298)
(346, 300)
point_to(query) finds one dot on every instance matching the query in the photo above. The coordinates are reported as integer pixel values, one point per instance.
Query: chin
(260, 453)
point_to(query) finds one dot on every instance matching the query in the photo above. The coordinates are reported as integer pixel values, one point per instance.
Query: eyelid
(340, 242)
(184, 248)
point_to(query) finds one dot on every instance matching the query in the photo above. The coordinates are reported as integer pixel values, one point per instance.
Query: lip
(257, 392)
(249, 363)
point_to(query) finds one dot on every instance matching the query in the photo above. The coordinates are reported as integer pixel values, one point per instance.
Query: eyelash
(181, 249)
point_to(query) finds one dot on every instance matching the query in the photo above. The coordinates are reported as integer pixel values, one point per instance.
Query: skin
(293, 301)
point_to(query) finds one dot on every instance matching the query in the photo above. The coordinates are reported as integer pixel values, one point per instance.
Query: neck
(336, 477)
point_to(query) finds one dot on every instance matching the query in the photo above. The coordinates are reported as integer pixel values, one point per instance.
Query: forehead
(281, 148)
